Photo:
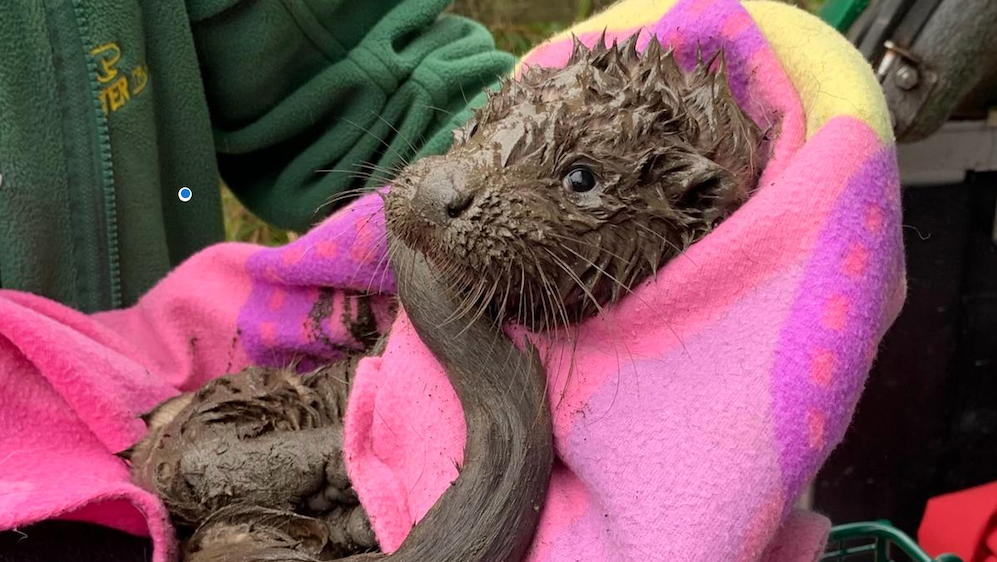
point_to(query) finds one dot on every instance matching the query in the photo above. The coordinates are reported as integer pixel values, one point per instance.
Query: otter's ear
(687, 181)
(708, 188)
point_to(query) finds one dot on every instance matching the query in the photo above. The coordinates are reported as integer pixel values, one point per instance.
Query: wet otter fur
(567, 189)
(573, 185)
(258, 450)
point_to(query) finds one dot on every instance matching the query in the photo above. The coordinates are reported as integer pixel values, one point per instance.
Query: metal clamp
(907, 84)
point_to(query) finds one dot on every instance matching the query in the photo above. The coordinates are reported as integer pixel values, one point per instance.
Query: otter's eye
(579, 180)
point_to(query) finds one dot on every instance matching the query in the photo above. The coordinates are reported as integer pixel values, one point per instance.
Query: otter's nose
(439, 197)
(458, 204)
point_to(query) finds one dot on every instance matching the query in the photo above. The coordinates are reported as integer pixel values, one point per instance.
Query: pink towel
(697, 408)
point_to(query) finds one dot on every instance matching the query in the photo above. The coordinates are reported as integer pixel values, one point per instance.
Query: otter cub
(573, 185)
(567, 189)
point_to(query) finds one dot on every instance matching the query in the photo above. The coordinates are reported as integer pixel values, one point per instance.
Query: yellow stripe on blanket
(830, 75)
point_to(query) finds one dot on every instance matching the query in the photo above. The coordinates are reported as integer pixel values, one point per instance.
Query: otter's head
(573, 185)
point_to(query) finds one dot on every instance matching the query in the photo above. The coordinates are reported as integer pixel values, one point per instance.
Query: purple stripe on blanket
(829, 341)
(290, 316)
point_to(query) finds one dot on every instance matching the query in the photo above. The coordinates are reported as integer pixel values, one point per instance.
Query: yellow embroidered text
(117, 90)
(114, 96)
(140, 78)
(106, 57)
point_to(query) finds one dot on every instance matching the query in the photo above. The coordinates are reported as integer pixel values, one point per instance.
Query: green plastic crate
(876, 541)
(842, 13)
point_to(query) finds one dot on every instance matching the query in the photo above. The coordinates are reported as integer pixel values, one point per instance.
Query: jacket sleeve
(312, 98)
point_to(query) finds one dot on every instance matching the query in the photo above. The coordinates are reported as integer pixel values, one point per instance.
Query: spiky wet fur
(673, 152)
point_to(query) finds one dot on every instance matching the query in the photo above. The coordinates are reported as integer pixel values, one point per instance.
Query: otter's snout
(439, 197)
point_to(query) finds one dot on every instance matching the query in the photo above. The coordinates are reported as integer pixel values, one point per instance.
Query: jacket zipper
(106, 172)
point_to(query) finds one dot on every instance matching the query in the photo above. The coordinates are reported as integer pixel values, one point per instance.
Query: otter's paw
(350, 531)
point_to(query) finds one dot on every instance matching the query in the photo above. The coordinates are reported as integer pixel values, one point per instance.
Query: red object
(962, 523)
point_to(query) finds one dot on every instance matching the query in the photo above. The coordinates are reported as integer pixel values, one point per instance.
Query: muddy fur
(670, 153)
(570, 187)
(251, 450)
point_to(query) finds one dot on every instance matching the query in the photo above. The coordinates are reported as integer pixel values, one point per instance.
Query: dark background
(927, 422)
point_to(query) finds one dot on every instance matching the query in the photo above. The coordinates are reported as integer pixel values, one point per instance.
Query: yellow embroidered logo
(117, 88)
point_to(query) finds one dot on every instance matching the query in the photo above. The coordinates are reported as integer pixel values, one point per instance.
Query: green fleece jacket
(109, 107)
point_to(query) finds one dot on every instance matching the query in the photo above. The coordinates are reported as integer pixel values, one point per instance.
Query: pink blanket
(696, 411)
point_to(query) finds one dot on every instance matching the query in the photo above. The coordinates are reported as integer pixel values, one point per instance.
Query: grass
(243, 226)
(520, 38)
(515, 35)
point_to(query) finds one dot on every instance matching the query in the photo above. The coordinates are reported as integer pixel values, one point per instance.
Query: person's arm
(306, 95)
